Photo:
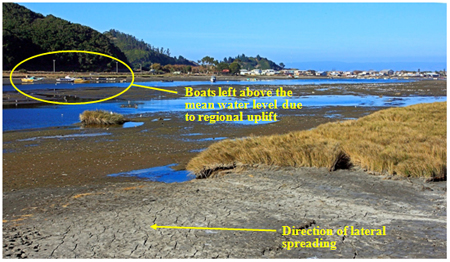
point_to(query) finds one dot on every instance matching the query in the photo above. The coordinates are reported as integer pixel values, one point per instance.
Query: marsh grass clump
(100, 117)
(409, 141)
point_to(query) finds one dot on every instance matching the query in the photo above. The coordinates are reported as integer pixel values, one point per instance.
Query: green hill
(138, 52)
(257, 62)
(26, 33)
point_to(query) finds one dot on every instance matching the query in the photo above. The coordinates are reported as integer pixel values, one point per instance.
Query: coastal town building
(431, 74)
(372, 73)
(269, 72)
(387, 72)
(244, 72)
(335, 73)
(298, 73)
(256, 72)
(288, 71)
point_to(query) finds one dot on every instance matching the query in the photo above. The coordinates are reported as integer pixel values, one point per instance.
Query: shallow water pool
(159, 174)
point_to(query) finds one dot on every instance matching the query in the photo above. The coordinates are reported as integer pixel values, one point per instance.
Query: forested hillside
(26, 33)
(233, 65)
(138, 52)
(254, 62)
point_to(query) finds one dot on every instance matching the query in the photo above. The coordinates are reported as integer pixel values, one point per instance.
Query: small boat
(27, 80)
(31, 79)
(66, 79)
(82, 80)
(213, 79)
(106, 78)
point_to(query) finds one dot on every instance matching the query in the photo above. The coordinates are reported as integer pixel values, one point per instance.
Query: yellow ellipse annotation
(82, 103)
(72, 51)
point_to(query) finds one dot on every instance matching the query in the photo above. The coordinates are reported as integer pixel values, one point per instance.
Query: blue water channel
(17, 118)
(65, 115)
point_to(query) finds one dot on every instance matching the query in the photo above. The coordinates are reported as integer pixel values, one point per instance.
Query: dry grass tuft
(100, 117)
(409, 141)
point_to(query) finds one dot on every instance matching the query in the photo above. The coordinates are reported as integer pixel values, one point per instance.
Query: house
(310, 72)
(244, 72)
(321, 73)
(269, 72)
(288, 71)
(300, 72)
(348, 74)
(335, 73)
(387, 72)
(225, 70)
(256, 72)
(363, 73)
(372, 73)
(431, 74)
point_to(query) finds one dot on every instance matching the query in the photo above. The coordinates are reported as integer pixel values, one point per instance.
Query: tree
(188, 68)
(137, 51)
(234, 67)
(207, 60)
(156, 66)
(168, 68)
(26, 33)
(221, 66)
(282, 65)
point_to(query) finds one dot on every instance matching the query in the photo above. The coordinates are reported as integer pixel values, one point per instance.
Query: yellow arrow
(154, 88)
(155, 226)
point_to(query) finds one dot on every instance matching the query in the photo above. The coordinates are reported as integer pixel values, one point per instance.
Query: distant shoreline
(51, 77)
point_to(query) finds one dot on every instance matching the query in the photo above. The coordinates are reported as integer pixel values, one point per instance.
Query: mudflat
(59, 202)
(114, 220)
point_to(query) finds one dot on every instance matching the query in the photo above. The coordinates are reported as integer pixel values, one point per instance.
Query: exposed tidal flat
(57, 192)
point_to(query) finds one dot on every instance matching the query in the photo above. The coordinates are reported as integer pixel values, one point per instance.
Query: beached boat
(31, 79)
(27, 80)
(82, 80)
(66, 79)
(213, 79)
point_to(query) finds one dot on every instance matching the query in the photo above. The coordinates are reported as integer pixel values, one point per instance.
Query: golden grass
(409, 141)
(99, 117)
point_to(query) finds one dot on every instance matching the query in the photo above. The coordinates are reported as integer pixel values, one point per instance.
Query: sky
(328, 34)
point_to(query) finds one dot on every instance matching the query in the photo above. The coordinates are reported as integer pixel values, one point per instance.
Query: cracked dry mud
(113, 220)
